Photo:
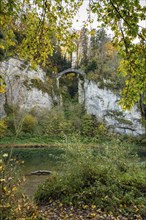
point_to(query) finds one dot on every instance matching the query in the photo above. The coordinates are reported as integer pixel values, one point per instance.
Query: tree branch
(118, 12)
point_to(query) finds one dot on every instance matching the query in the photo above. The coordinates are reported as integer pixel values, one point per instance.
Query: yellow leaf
(2, 89)
(14, 188)
(2, 47)
(93, 206)
(93, 214)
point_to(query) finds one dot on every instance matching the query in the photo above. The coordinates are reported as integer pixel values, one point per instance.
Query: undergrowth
(110, 177)
(14, 204)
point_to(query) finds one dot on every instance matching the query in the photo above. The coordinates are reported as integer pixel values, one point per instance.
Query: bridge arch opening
(69, 82)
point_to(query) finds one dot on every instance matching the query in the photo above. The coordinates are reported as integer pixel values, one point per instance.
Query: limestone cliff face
(2, 103)
(104, 105)
(24, 88)
(20, 90)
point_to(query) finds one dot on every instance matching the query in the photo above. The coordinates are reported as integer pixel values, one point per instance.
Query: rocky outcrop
(21, 87)
(2, 103)
(104, 105)
(27, 89)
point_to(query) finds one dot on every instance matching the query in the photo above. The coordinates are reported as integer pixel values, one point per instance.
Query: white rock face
(16, 74)
(2, 103)
(40, 100)
(104, 105)
(100, 102)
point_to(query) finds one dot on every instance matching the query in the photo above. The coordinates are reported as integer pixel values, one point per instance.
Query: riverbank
(31, 141)
(105, 184)
(105, 181)
(47, 143)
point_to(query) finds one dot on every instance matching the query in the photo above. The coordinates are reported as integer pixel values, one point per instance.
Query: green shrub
(91, 127)
(10, 123)
(88, 125)
(53, 122)
(3, 128)
(112, 178)
(73, 113)
(14, 204)
(29, 123)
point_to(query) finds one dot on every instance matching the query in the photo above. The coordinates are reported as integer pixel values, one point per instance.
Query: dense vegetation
(111, 178)
(14, 204)
(100, 174)
(21, 21)
(104, 181)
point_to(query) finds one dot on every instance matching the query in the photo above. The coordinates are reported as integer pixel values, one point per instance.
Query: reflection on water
(44, 159)
(33, 181)
(31, 184)
(37, 159)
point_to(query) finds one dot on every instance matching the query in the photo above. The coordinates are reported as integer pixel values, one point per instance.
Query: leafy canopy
(27, 28)
(123, 17)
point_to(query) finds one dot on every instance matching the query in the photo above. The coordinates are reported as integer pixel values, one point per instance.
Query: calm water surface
(38, 159)
(43, 159)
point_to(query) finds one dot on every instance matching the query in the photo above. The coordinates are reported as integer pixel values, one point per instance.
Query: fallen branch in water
(41, 172)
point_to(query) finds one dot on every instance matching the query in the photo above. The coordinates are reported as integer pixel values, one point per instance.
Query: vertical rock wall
(19, 89)
(103, 104)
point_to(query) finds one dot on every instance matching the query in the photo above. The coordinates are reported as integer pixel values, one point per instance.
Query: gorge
(28, 89)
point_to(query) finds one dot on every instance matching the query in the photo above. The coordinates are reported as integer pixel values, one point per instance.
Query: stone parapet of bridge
(71, 70)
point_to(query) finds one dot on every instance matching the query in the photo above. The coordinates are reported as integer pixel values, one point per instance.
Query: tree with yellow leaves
(123, 16)
(28, 26)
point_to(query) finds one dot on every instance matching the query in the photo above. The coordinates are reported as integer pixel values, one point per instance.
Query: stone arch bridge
(71, 70)
(80, 75)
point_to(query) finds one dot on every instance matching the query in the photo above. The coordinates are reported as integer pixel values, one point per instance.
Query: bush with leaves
(110, 177)
(88, 128)
(3, 127)
(14, 204)
(91, 127)
(53, 122)
(29, 123)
